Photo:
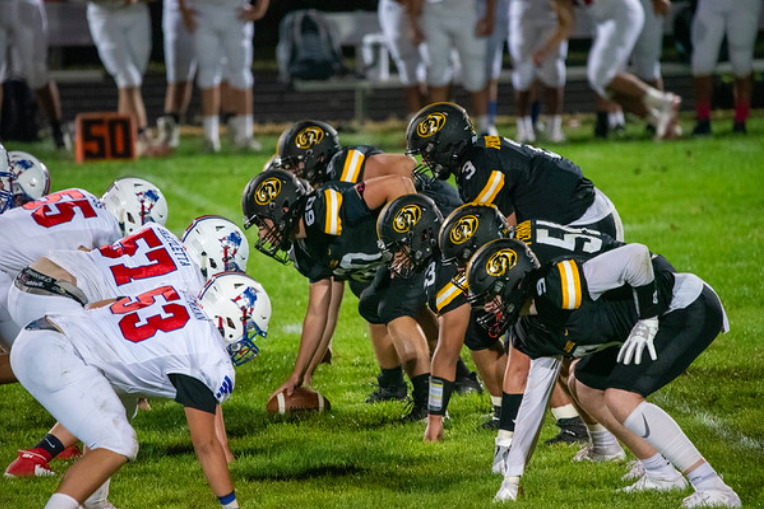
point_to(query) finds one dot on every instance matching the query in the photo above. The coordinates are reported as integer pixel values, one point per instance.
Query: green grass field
(698, 202)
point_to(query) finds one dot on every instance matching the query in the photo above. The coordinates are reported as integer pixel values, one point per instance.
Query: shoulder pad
(564, 285)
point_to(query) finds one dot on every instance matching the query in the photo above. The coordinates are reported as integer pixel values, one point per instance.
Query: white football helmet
(240, 308)
(216, 245)
(135, 202)
(6, 181)
(31, 177)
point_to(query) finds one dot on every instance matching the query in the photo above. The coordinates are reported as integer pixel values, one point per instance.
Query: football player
(332, 229)
(23, 178)
(138, 263)
(634, 323)
(408, 231)
(524, 182)
(313, 151)
(168, 344)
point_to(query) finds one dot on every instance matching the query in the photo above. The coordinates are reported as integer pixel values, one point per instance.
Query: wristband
(229, 501)
(440, 393)
(646, 299)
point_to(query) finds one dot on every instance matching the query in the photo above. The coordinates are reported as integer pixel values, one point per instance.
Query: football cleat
(500, 453)
(721, 497)
(739, 127)
(392, 393)
(169, 131)
(70, 452)
(492, 423)
(29, 464)
(468, 384)
(665, 116)
(418, 412)
(636, 470)
(647, 483)
(589, 453)
(572, 431)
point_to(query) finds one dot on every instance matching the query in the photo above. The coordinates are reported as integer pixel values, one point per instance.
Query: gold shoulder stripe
(333, 224)
(446, 294)
(352, 169)
(491, 189)
(571, 284)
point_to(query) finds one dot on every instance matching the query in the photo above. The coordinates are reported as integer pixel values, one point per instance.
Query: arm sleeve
(541, 378)
(191, 392)
(630, 264)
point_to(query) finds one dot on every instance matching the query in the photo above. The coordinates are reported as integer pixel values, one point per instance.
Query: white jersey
(64, 220)
(150, 257)
(138, 341)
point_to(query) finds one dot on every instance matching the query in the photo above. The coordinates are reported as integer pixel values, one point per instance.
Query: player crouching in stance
(88, 368)
(635, 324)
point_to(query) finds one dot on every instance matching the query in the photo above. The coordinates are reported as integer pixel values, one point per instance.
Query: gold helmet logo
(431, 124)
(501, 262)
(267, 191)
(407, 218)
(464, 229)
(308, 137)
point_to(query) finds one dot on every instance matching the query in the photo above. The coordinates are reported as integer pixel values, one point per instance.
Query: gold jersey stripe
(491, 189)
(333, 224)
(571, 284)
(352, 169)
(447, 294)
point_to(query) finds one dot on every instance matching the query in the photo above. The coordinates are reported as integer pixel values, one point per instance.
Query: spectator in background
(24, 30)
(180, 66)
(456, 23)
(410, 58)
(739, 21)
(494, 57)
(532, 23)
(121, 31)
(224, 29)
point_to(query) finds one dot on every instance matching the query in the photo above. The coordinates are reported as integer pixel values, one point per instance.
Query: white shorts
(25, 307)
(498, 39)
(123, 39)
(646, 57)
(618, 25)
(8, 327)
(453, 23)
(410, 60)
(531, 24)
(77, 395)
(29, 40)
(738, 20)
(599, 210)
(179, 54)
(222, 39)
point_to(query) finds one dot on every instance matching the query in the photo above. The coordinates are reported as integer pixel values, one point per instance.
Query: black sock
(421, 391)
(462, 371)
(510, 404)
(391, 377)
(51, 445)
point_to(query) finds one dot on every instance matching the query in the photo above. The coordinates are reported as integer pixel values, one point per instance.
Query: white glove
(500, 454)
(641, 336)
(509, 489)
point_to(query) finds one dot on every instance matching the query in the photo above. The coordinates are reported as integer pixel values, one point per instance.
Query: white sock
(658, 466)
(211, 128)
(520, 121)
(505, 435)
(704, 477)
(496, 401)
(654, 98)
(601, 439)
(243, 127)
(556, 121)
(61, 501)
(483, 124)
(662, 432)
(564, 412)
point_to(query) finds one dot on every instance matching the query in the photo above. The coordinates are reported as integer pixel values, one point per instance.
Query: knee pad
(240, 79)
(121, 440)
(553, 73)
(522, 75)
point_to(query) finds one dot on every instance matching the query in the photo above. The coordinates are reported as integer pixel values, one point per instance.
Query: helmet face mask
(273, 201)
(407, 229)
(135, 202)
(240, 309)
(306, 148)
(499, 284)
(439, 133)
(216, 245)
(467, 229)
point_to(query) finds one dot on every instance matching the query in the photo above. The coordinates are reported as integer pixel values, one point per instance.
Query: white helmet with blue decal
(216, 245)
(135, 202)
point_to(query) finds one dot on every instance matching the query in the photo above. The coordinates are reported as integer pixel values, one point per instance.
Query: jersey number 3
(137, 329)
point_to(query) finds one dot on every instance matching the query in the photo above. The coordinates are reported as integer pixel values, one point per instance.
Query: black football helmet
(407, 229)
(467, 229)
(439, 133)
(306, 149)
(501, 269)
(278, 196)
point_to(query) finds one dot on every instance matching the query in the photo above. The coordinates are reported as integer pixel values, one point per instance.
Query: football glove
(500, 454)
(509, 490)
(640, 337)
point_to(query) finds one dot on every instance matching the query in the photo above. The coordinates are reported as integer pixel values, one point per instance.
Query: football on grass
(302, 400)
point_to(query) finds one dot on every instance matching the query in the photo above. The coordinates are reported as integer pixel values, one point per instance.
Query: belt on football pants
(32, 281)
(43, 324)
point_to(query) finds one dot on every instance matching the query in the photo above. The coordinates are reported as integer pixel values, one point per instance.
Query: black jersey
(531, 182)
(444, 286)
(570, 323)
(349, 164)
(549, 241)
(341, 239)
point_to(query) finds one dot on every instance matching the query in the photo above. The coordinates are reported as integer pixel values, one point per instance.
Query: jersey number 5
(47, 216)
(136, 329)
